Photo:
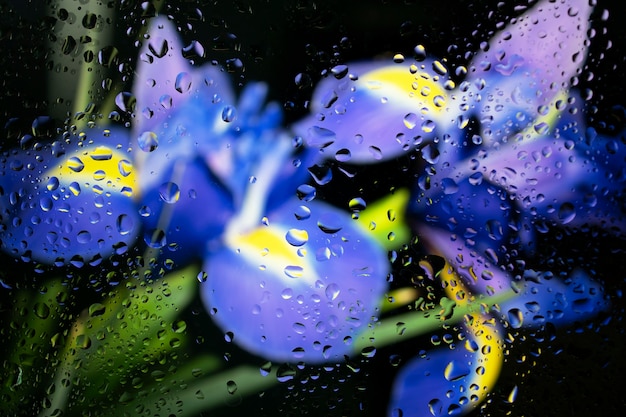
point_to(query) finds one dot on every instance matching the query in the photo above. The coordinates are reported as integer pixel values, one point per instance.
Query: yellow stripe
(400, 81)
(100, 168)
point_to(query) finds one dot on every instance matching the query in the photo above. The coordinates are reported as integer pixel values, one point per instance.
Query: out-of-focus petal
(526, 66)
(299, 288)
(75, 205)
(451, 382)
(476, 262)
(166, 82)
(543, 298)
(377, 111)
(186, 212)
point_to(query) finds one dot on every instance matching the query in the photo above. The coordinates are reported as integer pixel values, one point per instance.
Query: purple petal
(450, 381)
(543, 298)
(165, 80)
(297, 290)
(377, 112)
(74, 206)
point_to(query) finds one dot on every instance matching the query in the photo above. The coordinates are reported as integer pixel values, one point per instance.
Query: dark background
(575, 371)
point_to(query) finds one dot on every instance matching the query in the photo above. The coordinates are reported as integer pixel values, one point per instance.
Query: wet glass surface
(303, 208)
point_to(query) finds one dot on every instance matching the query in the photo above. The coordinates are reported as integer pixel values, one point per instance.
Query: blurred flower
(506, 155)
(69, 203)
(288, 277)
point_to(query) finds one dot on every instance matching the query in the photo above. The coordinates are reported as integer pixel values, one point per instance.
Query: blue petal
(378, 111)
(186, 212)
(526, 66)
(297, 290)
(450, 382)
(544, 299)
(74, 205)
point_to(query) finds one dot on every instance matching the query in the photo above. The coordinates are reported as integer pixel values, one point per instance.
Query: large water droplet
(229, 114)
(456, 370)
(169, 192)
(297, 237)
(516, 318)
(158, 46)
(332, 291)
(567, 213)
(183, 82)
(294, 271)
(148, 141)
(75, 164)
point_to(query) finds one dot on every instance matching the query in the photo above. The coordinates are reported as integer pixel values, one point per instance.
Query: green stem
(418, 323)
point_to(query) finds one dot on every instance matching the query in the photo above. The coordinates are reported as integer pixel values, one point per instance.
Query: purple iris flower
(65, 203)
(484, 195)
(529, 168)
(290, 278)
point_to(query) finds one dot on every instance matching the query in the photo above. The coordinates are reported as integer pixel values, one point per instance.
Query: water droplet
(419, 53)
(329, 223)
(46, 204)
(428, 126)
(266, 368)
(69, 43)
(126, 101)
(96, 309)
(297, 237)
(231, 387)
(435, 406)
(439, 68)
(42, 310)
(567, 213)
(183, 82)
(512, 395)
(302, 213)
(155, 238)
(410, 120)
(125, 167)
(368, 352)
(148, 141)
(83, 237)
(306, 192)
(229, 337)
(124, 224)
(375, 152)
(357, 204)
(294, 271)
(285, 373)
(101, 153)
(332, 291)
(343, 155)
(107, 56)
(229, 114)
(169, 192)
(455, 371)
(75, 164)
(158, 46)
(516, 318)
(339, 71)
(90, 20)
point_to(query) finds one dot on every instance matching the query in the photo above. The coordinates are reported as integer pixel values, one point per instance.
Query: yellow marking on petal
(384, 219)
(489, 357)
(398, 80)
(544, 124)
(267, 248)
(97, 168)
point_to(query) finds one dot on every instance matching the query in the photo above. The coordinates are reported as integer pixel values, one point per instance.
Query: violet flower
(65, 203)
(288, 277)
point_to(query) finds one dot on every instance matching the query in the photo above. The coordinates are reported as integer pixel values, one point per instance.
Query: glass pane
(311, 208)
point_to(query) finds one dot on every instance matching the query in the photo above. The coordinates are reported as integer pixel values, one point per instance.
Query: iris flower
(288, 277)
(506, 157)
(69, 203)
